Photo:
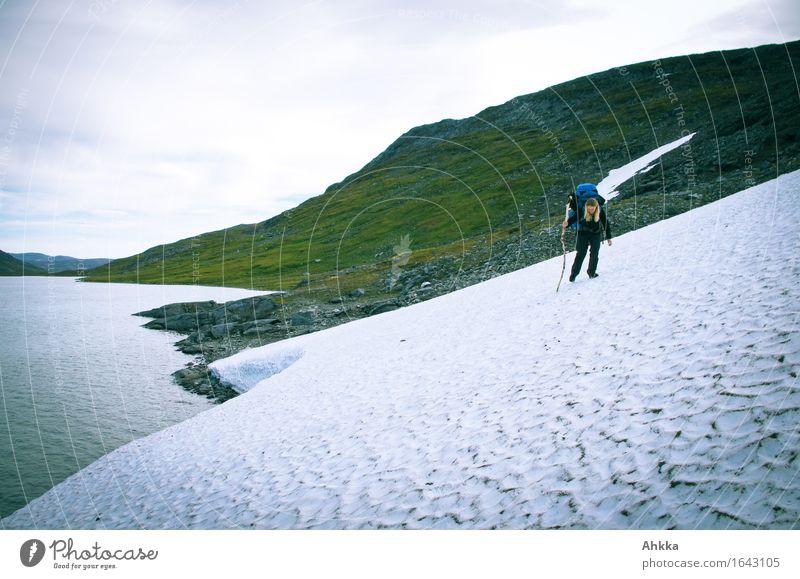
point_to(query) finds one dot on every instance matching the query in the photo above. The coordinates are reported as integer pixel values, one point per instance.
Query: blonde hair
(589, 216)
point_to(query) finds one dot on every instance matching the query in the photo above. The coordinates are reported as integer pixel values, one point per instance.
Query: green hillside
(486, 193)
(10, 265)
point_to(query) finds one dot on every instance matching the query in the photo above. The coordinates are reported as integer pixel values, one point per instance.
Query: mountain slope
(662, 394)
(10, 265)
(484, 193)
(60, 263)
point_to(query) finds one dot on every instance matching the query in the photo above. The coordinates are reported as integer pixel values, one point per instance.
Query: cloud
(749, 23)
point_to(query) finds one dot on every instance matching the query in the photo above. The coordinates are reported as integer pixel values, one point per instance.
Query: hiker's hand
(564, 225)
(609, 242)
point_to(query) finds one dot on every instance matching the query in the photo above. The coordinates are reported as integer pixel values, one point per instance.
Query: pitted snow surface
(662, 394)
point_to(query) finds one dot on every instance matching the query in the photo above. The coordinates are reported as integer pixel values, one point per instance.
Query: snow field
(662, 394)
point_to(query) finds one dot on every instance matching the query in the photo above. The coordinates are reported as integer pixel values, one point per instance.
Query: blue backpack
(577, 201)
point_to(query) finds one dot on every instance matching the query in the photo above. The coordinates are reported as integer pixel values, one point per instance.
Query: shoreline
(211, 331)
(214, 330)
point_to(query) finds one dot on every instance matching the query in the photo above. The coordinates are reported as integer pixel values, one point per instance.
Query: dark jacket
(591, 226)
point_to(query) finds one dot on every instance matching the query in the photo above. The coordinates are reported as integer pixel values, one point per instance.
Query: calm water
(79, 377)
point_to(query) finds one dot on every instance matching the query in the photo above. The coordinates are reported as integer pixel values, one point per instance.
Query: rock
(189, 347)
(357, 293)
(335, 300)
(196, 378)
(259, 326)
(262, 307)
(303, 318)
(190, 374)
(381, 307)
(222, 315)
(410, 281)
(260, 331)
(179, 308)
(426, 284)
(185, 323)
(247, 309)
(221, 330)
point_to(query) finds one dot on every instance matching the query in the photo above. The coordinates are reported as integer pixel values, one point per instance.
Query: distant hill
(486, 193)
(60, 263)
(10, 265)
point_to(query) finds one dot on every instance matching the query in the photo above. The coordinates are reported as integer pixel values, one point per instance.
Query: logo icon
(31, 553)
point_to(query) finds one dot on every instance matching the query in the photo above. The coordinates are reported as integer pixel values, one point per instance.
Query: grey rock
(196, 378)
(189, 347)
(170, 310)
(221, 330)
(381, 307)
(222, 315)
(250, 308)
(262, 307)
(303, 318)
(357, 293)
(261, 330)
(264, 325)
(157, 324)
(185, 323)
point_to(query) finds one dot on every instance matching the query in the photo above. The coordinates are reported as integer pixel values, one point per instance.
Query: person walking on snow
(591, 226)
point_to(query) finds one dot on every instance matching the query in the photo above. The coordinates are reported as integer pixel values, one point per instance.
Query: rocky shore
(212, 330)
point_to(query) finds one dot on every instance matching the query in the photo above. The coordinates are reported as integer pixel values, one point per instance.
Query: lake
(80, 377)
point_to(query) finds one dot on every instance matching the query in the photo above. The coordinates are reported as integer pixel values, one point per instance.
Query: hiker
(591, 226)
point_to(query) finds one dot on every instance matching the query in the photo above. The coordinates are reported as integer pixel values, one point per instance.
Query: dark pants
(584, 242)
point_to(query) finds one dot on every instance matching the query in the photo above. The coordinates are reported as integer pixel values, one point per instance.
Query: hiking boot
(593, 275)
(572, 278)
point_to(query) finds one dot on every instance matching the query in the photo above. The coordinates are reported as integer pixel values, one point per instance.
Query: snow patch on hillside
(616, 177)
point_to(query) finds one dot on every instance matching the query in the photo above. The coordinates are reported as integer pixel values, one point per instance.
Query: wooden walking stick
(563, 248)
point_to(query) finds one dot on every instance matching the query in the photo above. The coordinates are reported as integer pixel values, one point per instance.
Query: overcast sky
(125, 124)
